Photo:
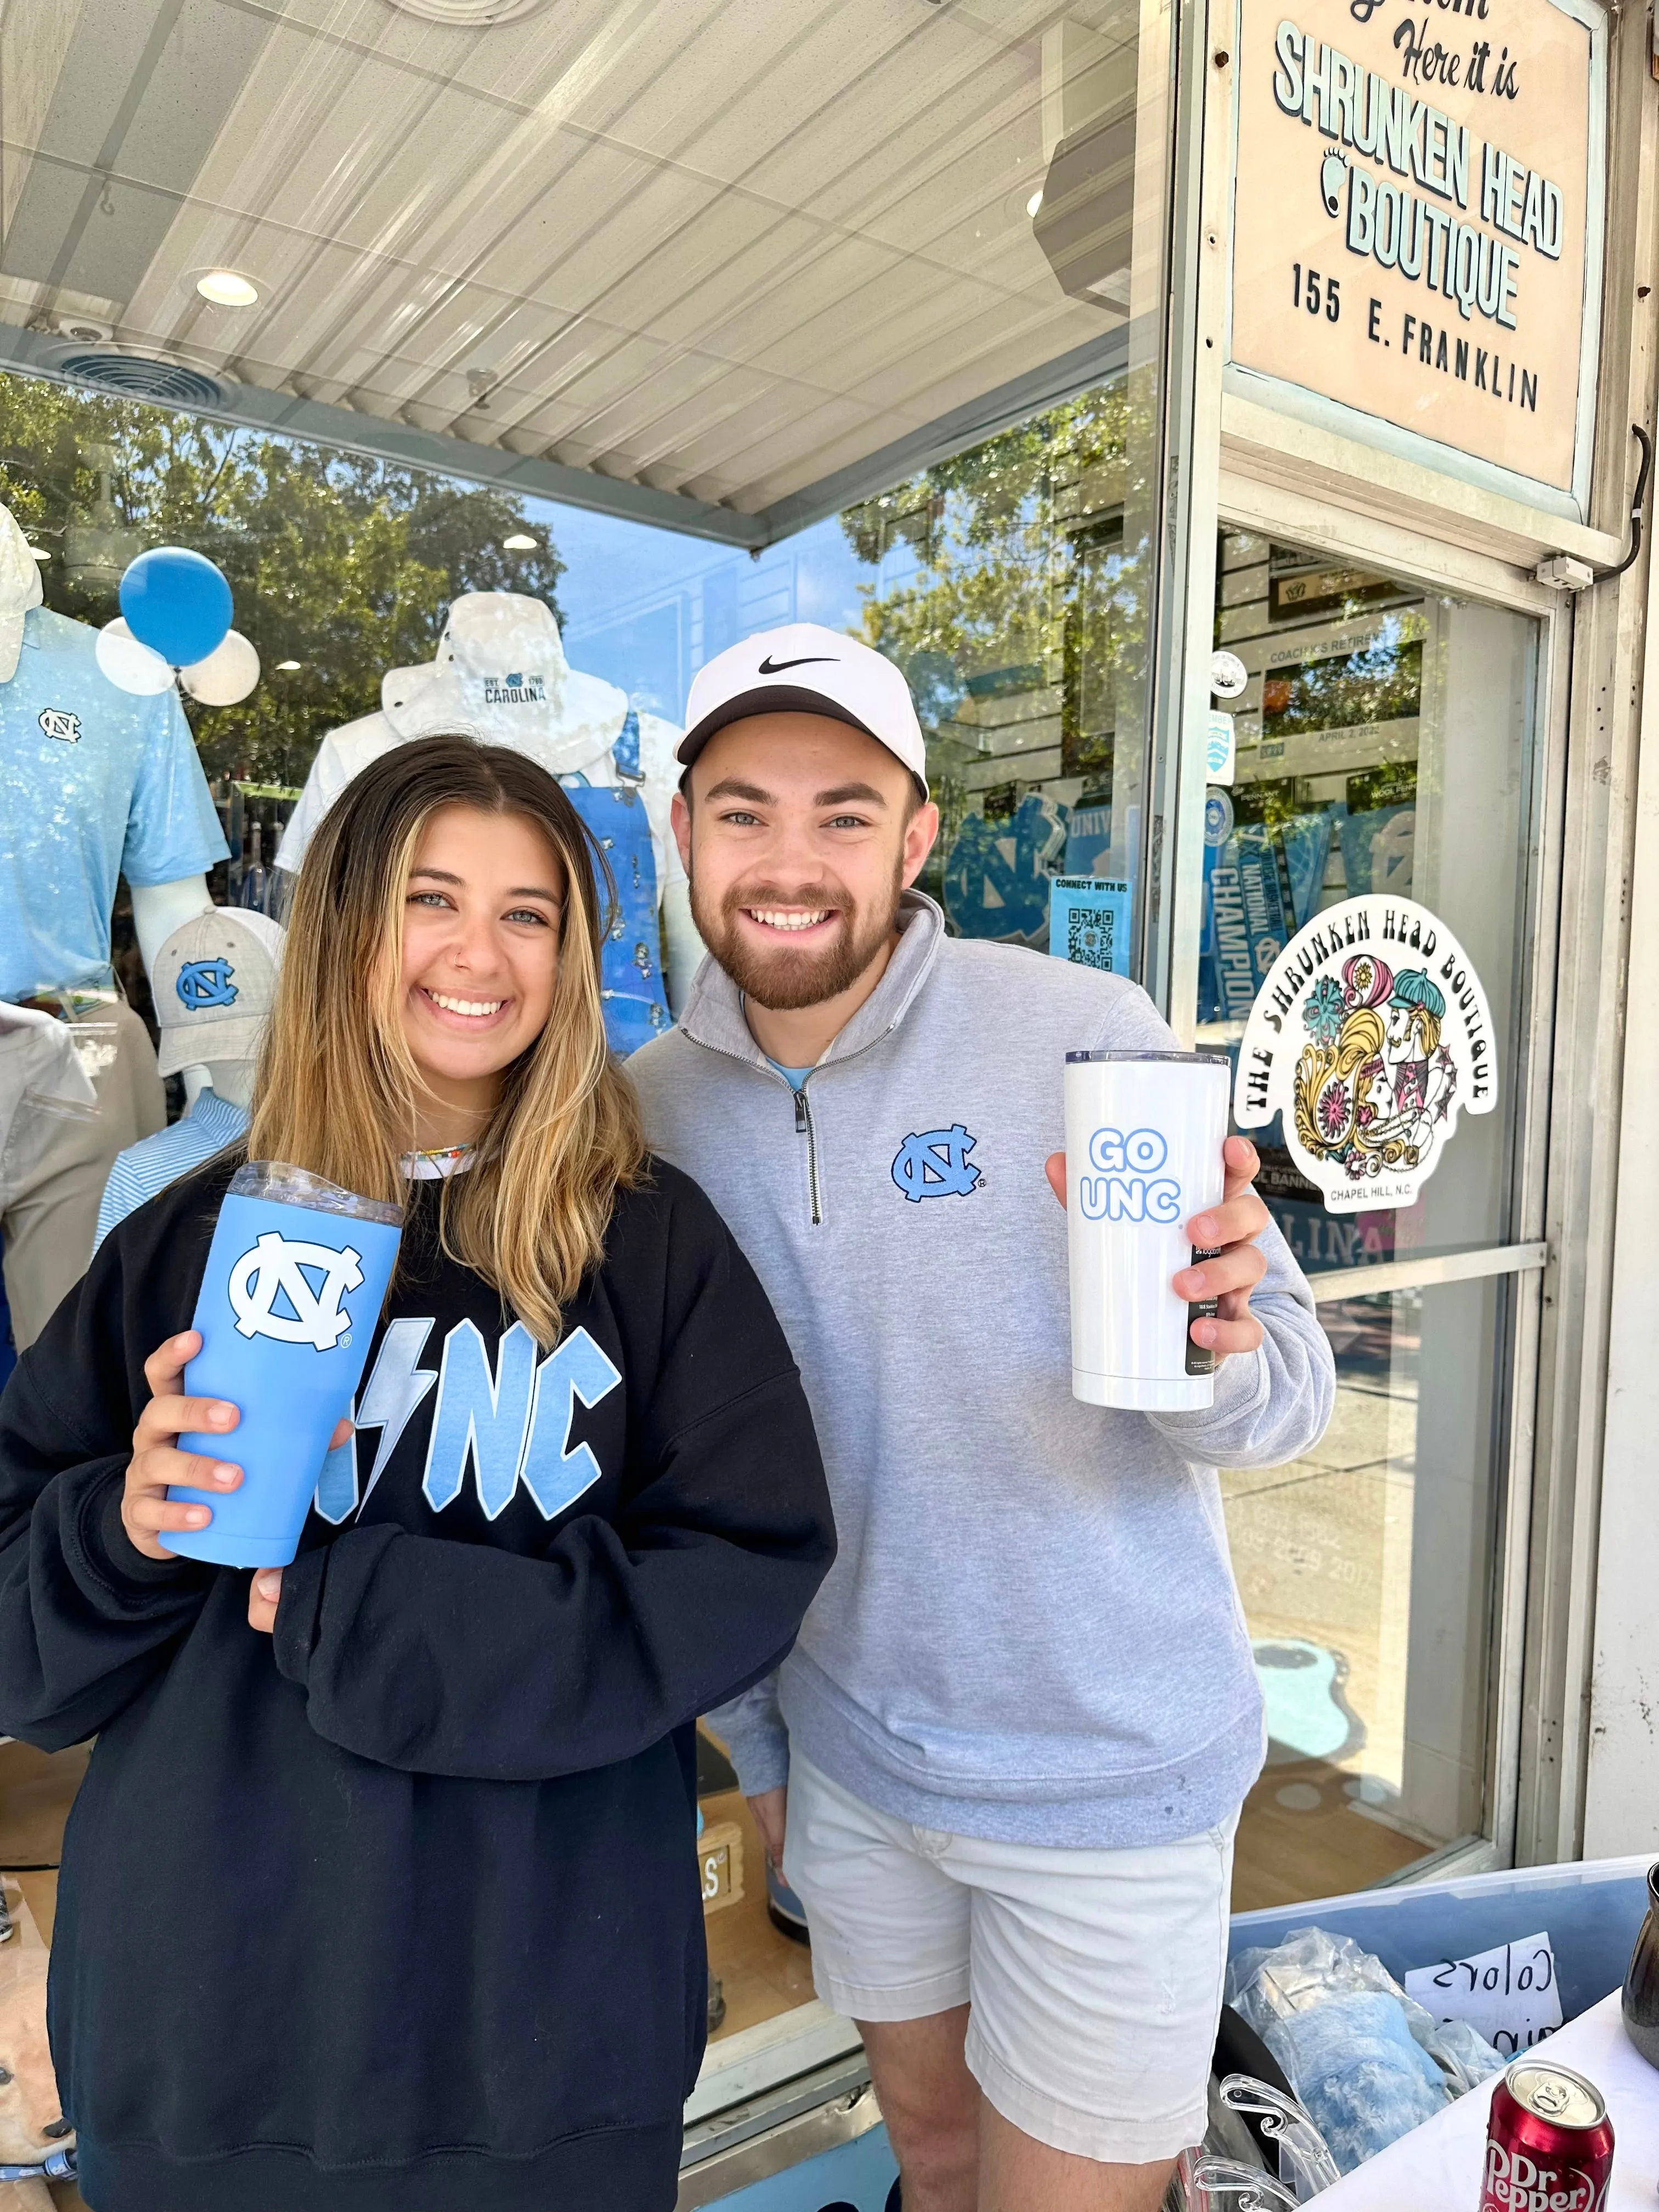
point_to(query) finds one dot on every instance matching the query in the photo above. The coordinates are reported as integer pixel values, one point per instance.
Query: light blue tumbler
(296, 1275)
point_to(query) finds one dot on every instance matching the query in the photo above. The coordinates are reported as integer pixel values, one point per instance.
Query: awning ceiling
(710, 260)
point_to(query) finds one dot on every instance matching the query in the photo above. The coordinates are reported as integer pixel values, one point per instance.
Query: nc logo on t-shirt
(58, 722)
(935, 1163)
(273, 1294)
(206, 983)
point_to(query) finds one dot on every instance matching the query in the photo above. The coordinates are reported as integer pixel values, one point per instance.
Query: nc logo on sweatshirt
(282, 1268)
(206, 983)
(935, 1164)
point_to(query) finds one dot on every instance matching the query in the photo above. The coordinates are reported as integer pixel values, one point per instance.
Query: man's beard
(785, 981)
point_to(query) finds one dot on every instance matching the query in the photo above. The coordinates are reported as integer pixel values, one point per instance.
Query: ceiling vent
(468, 15)
(140, 376)
(82, 330)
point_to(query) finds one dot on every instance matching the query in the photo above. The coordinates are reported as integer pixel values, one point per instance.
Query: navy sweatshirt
(396, 1910)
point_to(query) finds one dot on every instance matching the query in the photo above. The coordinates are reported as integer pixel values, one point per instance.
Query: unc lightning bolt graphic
(275, 1267)
(388, 1402)
(511, 1425)
(935, 1163)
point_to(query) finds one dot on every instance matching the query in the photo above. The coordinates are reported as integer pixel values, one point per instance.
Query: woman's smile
(464, 1015)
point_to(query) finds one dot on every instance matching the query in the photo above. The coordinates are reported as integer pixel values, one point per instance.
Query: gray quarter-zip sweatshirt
(1030, 1632)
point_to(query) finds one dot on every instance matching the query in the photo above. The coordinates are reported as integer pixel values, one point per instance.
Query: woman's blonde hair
(337, 1089)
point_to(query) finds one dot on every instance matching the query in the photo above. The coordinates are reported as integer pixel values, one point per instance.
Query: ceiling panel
(730, 243)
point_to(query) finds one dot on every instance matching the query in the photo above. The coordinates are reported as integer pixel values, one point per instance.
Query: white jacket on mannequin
(501, 675)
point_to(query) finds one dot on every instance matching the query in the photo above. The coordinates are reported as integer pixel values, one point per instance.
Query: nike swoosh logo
(770, 667)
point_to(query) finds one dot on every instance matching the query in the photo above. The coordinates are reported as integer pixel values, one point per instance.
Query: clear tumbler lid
(284, 1184)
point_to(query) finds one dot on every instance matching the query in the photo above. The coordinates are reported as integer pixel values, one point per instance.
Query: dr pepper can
(1549, 2141)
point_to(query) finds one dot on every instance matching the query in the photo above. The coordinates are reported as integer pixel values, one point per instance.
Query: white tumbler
(1144, 1133)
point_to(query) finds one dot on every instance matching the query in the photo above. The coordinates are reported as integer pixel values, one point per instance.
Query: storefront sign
(1367, 1036)
(1418, 218)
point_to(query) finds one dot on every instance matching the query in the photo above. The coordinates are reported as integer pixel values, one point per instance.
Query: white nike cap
(805, 669)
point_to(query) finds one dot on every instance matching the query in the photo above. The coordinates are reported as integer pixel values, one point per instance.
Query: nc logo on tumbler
(1128, 1187)
(281, 1268)
(206, 983)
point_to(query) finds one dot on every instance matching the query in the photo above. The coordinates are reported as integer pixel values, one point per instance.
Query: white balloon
(227, 675)
(129, 665)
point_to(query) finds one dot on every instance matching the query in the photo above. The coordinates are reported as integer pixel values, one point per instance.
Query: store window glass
(897, 289)
(1009, 586)
(1365, 1570)
(1384, 743)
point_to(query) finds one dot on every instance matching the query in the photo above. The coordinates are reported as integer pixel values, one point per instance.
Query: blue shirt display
(155, 1161)
(95, 782)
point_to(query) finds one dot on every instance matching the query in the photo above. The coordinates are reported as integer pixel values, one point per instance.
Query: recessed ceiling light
(226, 288)
(518, 542)
(470, 15)
(1035, 202)
(288, 666)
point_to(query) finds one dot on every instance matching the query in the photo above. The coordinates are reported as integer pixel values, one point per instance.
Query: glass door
(1385, 742)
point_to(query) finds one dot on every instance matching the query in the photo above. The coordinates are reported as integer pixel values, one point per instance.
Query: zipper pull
(800, 1113)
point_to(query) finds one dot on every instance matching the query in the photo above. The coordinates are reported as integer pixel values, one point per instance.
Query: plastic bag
(1304, 2161)
(1367, 2061)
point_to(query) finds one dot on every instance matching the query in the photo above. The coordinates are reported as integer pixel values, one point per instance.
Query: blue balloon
(177, 602)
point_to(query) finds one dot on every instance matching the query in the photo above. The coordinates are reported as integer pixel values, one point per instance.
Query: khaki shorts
(1094, 1976)
(49, 1208)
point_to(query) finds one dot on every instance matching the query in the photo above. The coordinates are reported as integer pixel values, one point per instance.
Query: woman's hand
(157, 1464)
(264, 1595)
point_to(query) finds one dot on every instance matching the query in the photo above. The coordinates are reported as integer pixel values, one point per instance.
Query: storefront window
(1008, 585)
(1384, 743)
(1018, 610)
(1365, 1569)
(1011, 572)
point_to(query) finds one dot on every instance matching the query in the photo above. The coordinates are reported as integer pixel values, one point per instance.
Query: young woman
(381, 1889)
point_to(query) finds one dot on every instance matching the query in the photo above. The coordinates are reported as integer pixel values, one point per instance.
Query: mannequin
(501, 675)
(215, 981)
(94, 781)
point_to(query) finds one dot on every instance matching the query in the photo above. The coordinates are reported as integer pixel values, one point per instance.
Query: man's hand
(1230, 1230)
(769, 1810)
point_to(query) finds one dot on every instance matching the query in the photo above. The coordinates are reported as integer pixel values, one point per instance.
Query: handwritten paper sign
(1509, 1995)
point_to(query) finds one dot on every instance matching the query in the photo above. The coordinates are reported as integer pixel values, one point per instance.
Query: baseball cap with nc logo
(804, 669)
(215, 980)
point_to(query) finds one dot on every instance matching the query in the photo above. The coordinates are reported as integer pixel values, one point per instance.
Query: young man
(1022, 1714)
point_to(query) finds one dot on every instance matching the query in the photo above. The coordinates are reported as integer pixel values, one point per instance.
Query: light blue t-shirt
(155, 1161)
(793, 1076)
(95, 782)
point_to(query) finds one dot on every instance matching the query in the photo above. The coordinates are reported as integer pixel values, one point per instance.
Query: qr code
(1089, 936)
